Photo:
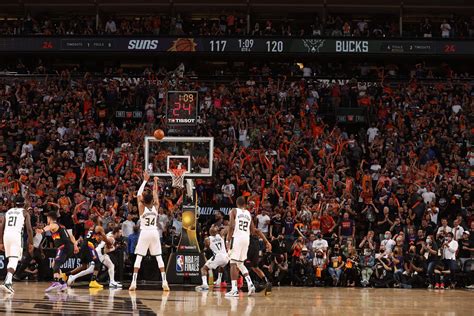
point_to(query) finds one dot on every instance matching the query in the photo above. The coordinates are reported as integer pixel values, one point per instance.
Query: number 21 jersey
(14, 221)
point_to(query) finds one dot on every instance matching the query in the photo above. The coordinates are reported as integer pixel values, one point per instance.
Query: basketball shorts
(239, 249)
(62, 254)
(220, 260)
(13, 245)
(88, 254)
(253, 255)
(148, 240)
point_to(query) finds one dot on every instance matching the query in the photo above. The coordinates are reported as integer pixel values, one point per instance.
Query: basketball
(159, 134)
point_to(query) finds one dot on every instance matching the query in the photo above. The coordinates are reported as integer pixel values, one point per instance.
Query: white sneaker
(202, 288)
(234, 293)
(115, 285)
(133, 286)
(7, 287)
(252, 290)
(165, 286)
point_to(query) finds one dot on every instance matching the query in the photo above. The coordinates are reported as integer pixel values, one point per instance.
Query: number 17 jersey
(149, 219)
(242, 224)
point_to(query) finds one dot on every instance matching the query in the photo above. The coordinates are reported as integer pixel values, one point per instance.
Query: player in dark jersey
(253, 258)
(90, 262)
(65, 245)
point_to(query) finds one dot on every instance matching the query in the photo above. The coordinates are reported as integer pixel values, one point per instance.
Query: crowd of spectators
(386, 204)
(237, 24)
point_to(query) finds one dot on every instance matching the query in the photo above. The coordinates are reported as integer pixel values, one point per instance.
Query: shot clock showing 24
(182, 108)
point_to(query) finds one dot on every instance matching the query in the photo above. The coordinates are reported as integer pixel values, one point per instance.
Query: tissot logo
(142, 44)
(352, 46)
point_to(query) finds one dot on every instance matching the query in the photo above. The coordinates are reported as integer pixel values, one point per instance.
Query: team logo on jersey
(313, 45)
(179, 263)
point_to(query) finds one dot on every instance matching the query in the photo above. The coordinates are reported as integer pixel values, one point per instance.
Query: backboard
(195, 154)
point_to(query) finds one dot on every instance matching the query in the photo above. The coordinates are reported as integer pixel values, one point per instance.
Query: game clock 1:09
(181, 108)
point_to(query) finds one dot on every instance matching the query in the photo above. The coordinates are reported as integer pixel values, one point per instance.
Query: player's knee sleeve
(90, 268)
(138, 262)
(108, 263)
(242, 268)
(12, 263)
(161, 263)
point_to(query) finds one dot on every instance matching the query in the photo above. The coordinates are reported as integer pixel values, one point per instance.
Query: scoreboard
(181, 113)
(181, 108)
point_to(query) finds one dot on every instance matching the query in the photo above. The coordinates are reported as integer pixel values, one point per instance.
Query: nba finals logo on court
(179, 263)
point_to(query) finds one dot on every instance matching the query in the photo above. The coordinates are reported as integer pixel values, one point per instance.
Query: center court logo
(179, 263)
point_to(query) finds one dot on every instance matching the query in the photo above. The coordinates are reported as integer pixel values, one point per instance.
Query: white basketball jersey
(217, 244)
(242, 224)
(14, 221)
(101, 247)
(148, 219)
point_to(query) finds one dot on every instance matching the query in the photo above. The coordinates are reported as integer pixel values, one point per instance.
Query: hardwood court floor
(30, 299)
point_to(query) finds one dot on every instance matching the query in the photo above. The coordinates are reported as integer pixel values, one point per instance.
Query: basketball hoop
(177, 176)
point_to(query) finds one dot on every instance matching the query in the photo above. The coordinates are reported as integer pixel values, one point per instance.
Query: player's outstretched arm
(231, 228)
(255, 231)
(156, 197)
(141, 206)
(29, 229)
(103, 236)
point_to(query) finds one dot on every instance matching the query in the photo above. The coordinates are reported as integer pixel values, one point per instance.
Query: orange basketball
(159, 134)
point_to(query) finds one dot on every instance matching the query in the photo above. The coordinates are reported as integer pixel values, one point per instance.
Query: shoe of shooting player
(133, 286)
(115, 285)
(252, 290)
(7, 287)
(165, 286)
(232, 293)
(202, 288)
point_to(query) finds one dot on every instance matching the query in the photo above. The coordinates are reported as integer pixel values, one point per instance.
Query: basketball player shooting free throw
(149, 239)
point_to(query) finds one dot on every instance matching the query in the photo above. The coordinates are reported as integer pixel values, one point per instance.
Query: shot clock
(181, 108)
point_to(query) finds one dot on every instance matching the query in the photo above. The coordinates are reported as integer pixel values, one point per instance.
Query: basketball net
(177, 176)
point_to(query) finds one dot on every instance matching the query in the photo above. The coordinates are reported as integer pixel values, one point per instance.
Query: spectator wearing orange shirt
(327, 224)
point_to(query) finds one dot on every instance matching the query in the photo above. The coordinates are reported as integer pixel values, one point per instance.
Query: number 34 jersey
(14, 221)
(149, 219)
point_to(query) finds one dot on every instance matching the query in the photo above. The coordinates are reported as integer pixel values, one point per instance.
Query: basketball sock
(219, 277)
(204, 280)
(249, 280)
(8, 278)
(234, 285)
(134, 277)
(163, 276)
